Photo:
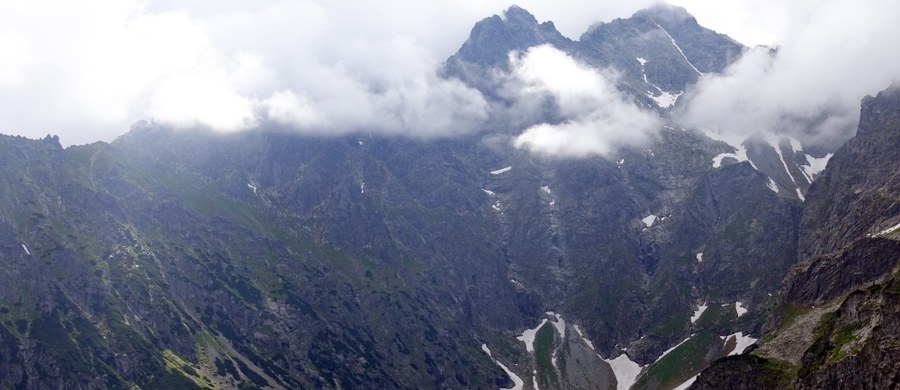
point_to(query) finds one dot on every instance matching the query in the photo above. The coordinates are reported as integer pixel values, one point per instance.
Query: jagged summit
(666, 14)
(880, 110)
(492, 38)
(659, 51)
(517, 14)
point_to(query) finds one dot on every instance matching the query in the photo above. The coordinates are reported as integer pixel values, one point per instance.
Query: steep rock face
(493, 38)
(742, 372)
(860, 343)
(851, 205)
(844, 293)
(858, 192)
(744, 208)
(826, 277)
(644, 53)
(490, 42)
(707, 50)
(132, 272)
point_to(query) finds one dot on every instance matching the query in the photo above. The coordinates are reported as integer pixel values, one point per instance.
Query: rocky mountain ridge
(835, 324)
(176, 258)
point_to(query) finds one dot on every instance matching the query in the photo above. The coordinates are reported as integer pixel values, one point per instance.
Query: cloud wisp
(597, 118)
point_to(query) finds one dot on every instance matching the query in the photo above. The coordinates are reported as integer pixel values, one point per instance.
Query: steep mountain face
(836, 324)
(184, 258)
(493, 38)
(129, 273)
(861, 185)
(654, 52)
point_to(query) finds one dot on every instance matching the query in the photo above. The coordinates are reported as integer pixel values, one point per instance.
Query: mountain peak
(518, 15)
(880, 113)
(491, 39)
(665, 14)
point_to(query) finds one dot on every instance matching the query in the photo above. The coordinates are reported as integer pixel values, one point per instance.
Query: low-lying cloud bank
(88, 69)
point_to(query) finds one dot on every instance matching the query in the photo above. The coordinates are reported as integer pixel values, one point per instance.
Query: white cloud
(832, 54)
(13, 60)
(88, 69)
(597, 118)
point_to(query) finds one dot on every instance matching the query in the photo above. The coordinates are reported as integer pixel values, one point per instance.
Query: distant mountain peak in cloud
(663, 12)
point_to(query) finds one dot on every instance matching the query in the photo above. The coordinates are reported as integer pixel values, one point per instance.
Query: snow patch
(816, 166)
(739, 154)
(666, 352)
(626, 371)
(774, 142)
(489, 192)
(581, 334)
(643, 73)
(649, 220)
(560, 324)
(545, 189)
(740, 309)
(772, 186)
(700, 257)
(665, 99)
(528, 336)
(879, 234)
(796, 146)
(620, 162)
(687, 383)
(27, 252)
(518, 383)
(679, 50)
(362, 188)
(252, 187)
(742, 342)
(698, 313)
(501, 170)
(496, 206)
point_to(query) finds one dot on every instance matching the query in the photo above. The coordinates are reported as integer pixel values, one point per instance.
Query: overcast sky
(87, 70)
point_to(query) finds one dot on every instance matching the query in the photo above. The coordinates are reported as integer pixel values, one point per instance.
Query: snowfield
(742, 342)
(501, 170)
(518, 383)
(626, 371)
(528, 336)
(698, 313)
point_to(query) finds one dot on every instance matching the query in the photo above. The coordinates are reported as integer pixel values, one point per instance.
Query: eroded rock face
(860, 344)
(857, 195)
(847, 280)
(743, 372)
(835, 274)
